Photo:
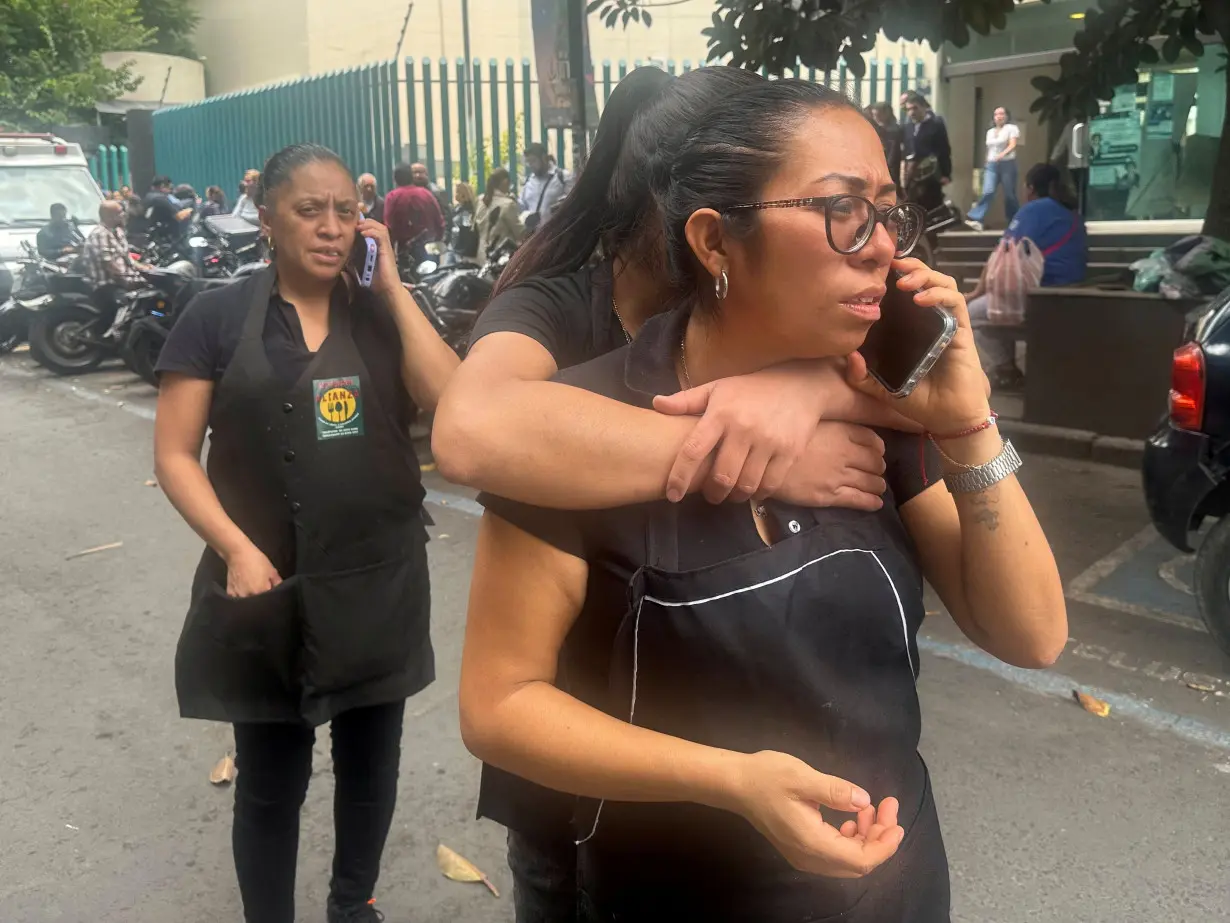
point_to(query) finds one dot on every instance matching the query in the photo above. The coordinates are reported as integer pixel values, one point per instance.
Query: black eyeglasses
(850, 220)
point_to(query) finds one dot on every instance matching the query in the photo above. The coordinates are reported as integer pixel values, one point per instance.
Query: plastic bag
(1014, 268)
(1149, 271)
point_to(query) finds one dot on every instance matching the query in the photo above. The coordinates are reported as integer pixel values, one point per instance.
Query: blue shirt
(1047, 222)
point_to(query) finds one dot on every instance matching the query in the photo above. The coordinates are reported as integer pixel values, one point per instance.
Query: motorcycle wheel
(54, 340)
(141, 351)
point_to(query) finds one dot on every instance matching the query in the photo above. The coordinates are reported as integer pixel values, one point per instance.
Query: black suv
(1187, 460)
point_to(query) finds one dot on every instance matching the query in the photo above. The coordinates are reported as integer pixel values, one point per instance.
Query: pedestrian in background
(498, 216)
(246, 206)
(928, 166)
(311, 601)
(423, 178)
(892, 137)
(215, 202)
(412, 214)
(1000, 170)
(463, 236)
(371, 203)
(545, 185)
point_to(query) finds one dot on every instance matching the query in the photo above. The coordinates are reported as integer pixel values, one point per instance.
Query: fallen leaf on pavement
(224, 772)
(1090, 704)
(1201, 687)
(82, 554)
(458, 868)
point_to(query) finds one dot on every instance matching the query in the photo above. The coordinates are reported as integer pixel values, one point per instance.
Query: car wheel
(1212, 583)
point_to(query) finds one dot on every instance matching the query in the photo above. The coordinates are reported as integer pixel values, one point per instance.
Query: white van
(36, 172)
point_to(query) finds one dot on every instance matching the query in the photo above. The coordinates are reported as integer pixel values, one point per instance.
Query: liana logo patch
(339, 407)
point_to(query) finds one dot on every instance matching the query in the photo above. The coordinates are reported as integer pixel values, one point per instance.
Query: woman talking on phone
(311, 601)
(740, 708)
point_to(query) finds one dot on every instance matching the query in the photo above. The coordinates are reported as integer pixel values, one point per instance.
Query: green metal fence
(459, 120)
(109, 167)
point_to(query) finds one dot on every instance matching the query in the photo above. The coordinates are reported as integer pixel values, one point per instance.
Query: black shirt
(614, 541)
(160, 212)
(571, 316)
(56, 237)
(929, 138)
(204, 338)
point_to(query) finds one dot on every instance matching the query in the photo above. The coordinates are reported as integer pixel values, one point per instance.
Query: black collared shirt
(204, 339)
(613, 542)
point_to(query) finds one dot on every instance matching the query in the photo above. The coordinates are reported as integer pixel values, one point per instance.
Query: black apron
(324, 482)
(807, 647)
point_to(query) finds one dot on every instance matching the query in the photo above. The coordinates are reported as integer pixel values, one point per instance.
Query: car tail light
(60, 149)
(1187, 387)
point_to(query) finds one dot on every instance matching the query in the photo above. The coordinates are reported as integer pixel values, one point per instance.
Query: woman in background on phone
(311, 601)
(709, 710)
(463, 236)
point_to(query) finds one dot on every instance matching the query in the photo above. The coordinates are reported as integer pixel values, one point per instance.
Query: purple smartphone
(363, 259)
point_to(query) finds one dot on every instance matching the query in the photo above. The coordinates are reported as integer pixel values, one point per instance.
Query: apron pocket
(236, 659)
(364, 624)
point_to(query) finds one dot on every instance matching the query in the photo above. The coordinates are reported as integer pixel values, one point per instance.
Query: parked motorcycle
(78, 329)
(147, 332)
(29, 295)
(452, 297)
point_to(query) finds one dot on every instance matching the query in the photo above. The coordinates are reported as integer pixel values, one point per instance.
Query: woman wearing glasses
(741, 720)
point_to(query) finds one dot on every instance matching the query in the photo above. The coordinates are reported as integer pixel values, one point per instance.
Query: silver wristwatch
(980, 477)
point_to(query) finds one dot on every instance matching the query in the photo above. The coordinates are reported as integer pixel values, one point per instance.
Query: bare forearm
(548, 737)
(186, 485)
(1012, 591)
(553, 445)
(427, 361)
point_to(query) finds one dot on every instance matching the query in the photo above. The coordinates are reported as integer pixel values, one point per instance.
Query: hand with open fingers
(955, 394)
(843, 465)
(250, 573)
(758, 425)
(780, 796)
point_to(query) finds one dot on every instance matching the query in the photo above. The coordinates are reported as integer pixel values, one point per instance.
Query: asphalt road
(107, 815)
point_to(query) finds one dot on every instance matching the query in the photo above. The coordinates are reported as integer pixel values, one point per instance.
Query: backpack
(1013, 270)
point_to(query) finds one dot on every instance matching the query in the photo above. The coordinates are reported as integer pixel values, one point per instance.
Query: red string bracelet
(970, 431)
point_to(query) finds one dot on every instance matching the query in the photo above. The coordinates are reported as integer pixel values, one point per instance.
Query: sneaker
(364, 913)
(974, 225)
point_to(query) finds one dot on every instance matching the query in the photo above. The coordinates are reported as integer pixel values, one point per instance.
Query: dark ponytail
(611, 206)
(727, 161)
(281, 166)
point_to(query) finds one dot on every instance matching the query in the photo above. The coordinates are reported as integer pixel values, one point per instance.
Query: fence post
(889, 96)
(920, 74)
(905, 75)
(670, 67)
(112, 167)
(412, 119)
(480, 165)
(392, 121)
(494, 72)
(623, 68)
(528, 99)
(606, 82)
(510, 90)
(463, 124)
(687, 65)
(841, 77)
(874, 71)
(445, 128)
(429, 143)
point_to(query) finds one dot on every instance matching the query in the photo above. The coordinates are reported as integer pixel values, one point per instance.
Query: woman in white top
(1002, 138)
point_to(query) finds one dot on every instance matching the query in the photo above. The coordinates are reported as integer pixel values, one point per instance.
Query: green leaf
(612, 18)
(593, 5)
(636, 14)
(646, 18)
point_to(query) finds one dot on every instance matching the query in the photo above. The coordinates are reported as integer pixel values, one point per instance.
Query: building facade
(1151, 149)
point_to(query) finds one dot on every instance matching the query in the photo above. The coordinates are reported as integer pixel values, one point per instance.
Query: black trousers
(544, 879)
(275, 764)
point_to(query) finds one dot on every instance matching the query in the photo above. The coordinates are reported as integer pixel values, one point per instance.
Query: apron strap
(662, 537)
(258, 307)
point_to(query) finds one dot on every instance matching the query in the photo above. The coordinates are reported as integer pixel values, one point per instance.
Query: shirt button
(287, 408)
(296, 506)
(794, 526)
(289, 456)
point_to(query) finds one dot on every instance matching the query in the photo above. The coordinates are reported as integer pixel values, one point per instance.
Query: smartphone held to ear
(903, 345)
(363, 259)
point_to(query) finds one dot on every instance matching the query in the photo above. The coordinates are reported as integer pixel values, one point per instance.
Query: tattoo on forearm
(985, 512)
